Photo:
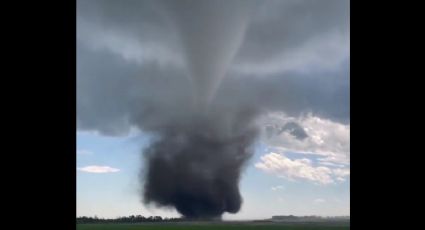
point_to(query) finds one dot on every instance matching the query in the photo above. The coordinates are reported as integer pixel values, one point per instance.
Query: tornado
(195, 162)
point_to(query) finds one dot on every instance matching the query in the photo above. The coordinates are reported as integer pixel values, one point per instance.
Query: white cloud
(84, 152)
(328, 139)
(319, 201)
(284, 167)
(323, 161)
(98, 169)
(341, 173)
(278, 187)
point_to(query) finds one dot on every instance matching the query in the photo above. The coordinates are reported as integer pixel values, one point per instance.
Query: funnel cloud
(211, 33)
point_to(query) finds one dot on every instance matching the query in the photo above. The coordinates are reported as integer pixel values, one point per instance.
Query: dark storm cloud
(113, 94)
(138, 65)
(326, 94)
(285, 24)
(196, 167)
(280, 26)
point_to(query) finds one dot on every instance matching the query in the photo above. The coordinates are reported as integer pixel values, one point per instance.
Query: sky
(292, 61)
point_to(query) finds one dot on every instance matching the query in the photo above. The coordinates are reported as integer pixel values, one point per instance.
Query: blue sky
(116, 193)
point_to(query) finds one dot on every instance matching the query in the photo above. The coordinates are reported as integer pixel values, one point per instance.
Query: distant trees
(125, 219)
(292, 218)
(142, 219)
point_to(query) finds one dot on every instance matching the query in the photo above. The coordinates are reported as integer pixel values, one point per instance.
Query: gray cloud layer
(130, 62)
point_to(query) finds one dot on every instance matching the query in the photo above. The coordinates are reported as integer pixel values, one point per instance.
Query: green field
(213, 226)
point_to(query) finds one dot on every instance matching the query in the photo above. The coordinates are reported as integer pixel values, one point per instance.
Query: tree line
(126, 219)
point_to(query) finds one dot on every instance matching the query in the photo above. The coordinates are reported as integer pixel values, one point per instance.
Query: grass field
(213, 226)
